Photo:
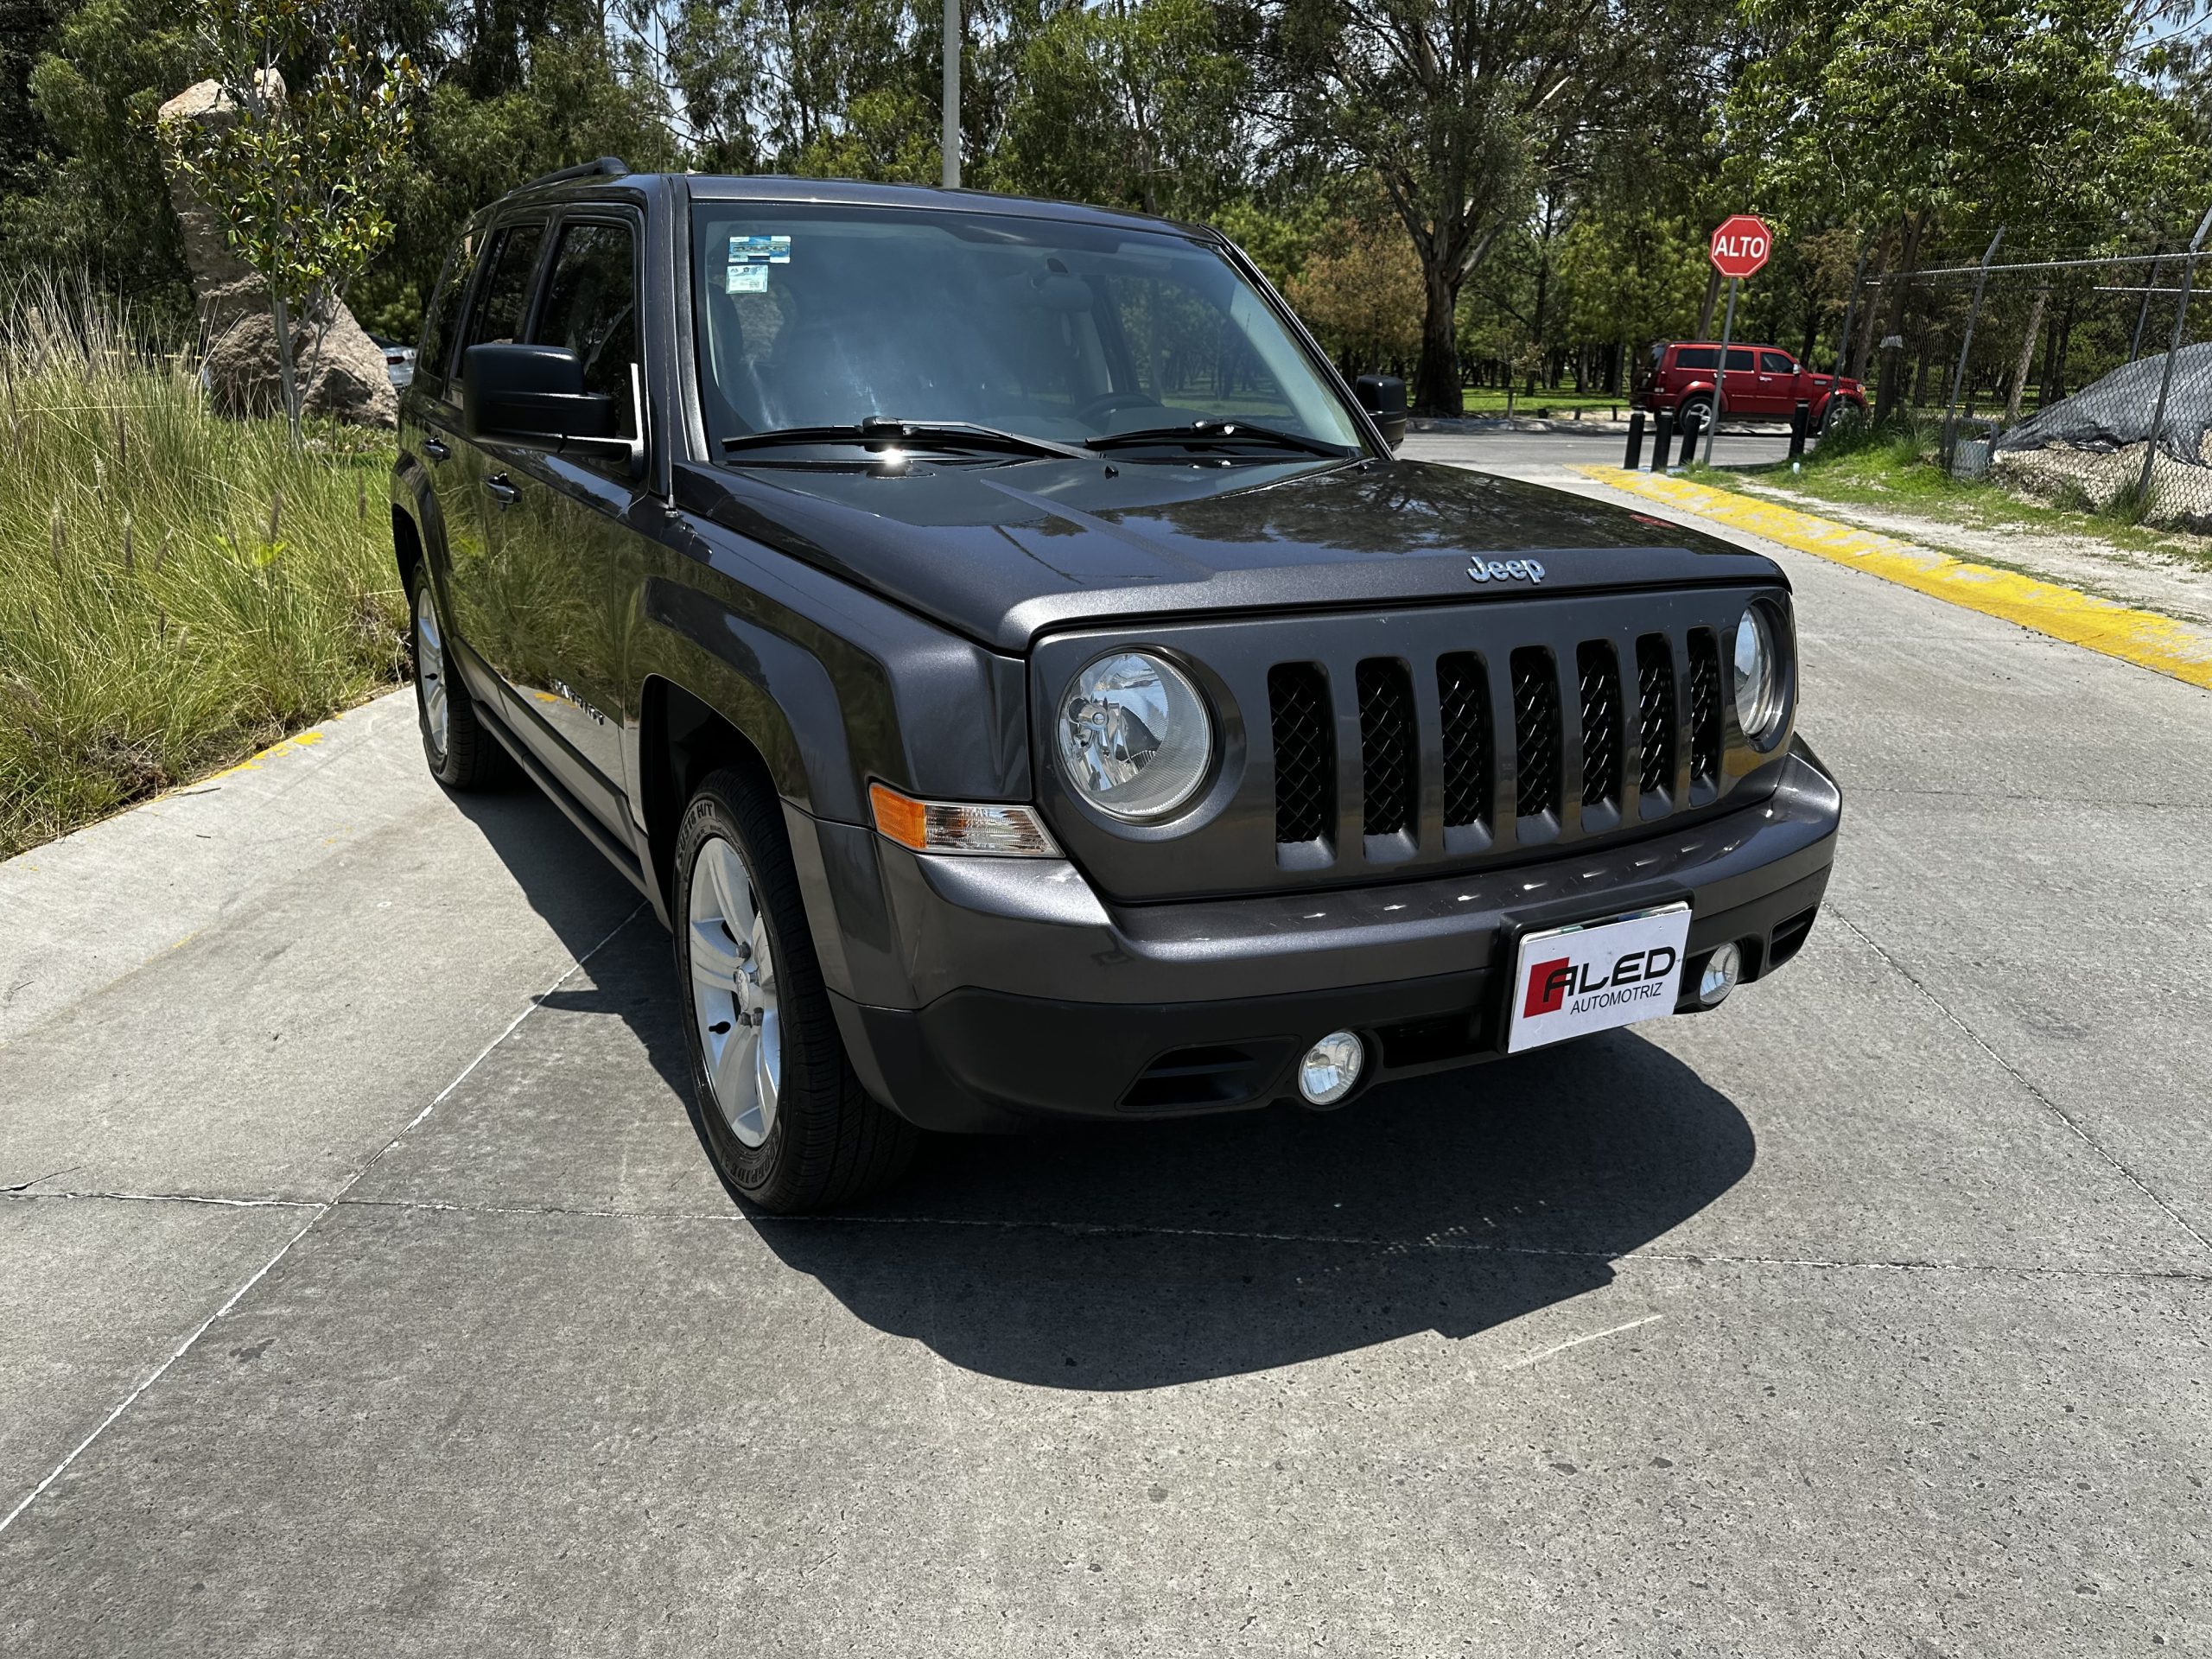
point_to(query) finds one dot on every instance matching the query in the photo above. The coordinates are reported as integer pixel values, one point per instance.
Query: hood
(1002, 554)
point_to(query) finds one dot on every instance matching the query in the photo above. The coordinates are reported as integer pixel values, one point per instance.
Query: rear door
(567, 541)
(1743, 382)
(431, 401)
(476, 490)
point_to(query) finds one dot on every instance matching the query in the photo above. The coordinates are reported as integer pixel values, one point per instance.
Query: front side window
(814, 315)
(591, 308)
(1776, 362)
(505, 305)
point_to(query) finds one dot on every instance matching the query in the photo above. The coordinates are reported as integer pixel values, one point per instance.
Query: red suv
(1765, 382)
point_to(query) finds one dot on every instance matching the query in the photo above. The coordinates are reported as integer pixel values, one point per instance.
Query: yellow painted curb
(2139, 636)
(285, 746)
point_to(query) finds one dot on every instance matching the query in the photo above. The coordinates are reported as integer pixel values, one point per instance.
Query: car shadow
(1141, 1254)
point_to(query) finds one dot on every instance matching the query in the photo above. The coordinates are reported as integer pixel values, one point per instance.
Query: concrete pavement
(1870, 1314)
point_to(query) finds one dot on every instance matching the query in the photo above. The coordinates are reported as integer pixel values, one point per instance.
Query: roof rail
(608, 167)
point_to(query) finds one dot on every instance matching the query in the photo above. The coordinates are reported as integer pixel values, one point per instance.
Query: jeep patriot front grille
(1403, 742)
(1623, 761)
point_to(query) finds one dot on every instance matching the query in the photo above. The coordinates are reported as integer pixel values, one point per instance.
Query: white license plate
(1569, 981)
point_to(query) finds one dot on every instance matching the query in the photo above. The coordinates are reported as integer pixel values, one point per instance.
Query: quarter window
(438, 323)
(591, 308)
(1697, 357)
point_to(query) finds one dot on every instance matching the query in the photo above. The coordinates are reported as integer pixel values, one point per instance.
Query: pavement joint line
(321, 1209)
(2143, 637)
(1350, 1241)
(27, 1196)
(2034, 1088)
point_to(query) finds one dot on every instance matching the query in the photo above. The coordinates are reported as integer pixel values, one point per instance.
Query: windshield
(818, 315)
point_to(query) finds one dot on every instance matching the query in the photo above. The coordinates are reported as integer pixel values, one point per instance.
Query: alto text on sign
(1740, 245)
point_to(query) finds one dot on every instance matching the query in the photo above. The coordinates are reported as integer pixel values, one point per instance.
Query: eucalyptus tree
(1463, 109)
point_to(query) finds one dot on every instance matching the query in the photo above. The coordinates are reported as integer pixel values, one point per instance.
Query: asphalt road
(364, 1291)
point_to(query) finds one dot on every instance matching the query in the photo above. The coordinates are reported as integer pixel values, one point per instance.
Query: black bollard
(1801, 422)
(1691, 431)
(1662, 437)
(1635, 442)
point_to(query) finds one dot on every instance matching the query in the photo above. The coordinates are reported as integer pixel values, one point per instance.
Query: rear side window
(505, 305)
(1739, 360)
(1776, 362)
(438, 322)
(1697, 357)
(591, 308)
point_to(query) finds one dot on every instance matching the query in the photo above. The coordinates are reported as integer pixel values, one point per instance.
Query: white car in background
(398, 360)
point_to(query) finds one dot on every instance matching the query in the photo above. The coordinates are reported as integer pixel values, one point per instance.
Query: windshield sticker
(748, 279)
(759, 250)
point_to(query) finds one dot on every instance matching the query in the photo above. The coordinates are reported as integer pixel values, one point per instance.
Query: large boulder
(342, 369)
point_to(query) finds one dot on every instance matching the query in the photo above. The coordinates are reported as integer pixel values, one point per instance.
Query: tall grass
(176, 590)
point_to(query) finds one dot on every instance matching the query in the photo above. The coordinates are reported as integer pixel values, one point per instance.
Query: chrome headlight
(1758, 675)
(1134, 735)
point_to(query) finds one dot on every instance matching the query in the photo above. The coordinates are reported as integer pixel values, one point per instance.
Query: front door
(1777, 382)
(567, 543)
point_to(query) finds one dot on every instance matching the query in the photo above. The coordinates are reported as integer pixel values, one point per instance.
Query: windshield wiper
(884, 431)
(1216, 434)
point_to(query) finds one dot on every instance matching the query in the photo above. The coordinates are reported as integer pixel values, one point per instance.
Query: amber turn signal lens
(903, 819)
(950, 827)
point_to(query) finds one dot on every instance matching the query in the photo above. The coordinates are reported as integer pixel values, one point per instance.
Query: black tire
(466, 757)
(829, 1143)
(1839, 410)
(1693, 414)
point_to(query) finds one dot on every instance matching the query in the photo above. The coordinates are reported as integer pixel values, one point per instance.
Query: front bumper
(983, 993)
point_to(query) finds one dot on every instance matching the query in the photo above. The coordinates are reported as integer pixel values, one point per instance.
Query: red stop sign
(1741, 244)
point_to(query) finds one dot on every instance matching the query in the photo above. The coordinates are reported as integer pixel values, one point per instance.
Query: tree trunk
(2027, 357)
(1704, 330)
(1900, 304)
(288, 374)
(1436, 383)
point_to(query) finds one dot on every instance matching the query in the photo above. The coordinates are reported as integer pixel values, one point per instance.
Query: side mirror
(1383, 395)
(533, 397)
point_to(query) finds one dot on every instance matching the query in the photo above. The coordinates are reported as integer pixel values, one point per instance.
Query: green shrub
(176, 590)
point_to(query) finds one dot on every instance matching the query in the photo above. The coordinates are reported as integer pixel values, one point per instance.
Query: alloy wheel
(733, 990)
(430, 667)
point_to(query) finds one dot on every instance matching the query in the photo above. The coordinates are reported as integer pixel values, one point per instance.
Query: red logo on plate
(1547, 985)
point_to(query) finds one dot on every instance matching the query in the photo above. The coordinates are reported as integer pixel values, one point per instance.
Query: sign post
(1740, 248)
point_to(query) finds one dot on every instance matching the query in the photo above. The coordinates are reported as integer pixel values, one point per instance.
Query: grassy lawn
(1898, 473)
(1541, 405)
(176, 590)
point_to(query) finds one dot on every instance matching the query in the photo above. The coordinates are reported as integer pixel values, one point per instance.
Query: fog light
(1331, 1067)
(1717, 977)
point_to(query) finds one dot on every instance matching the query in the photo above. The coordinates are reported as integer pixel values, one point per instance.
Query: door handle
(502, 492)
(435, 450)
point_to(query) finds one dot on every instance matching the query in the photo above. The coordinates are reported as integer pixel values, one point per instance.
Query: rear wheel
(462, 754)
(1693, 414)
(775, 1099)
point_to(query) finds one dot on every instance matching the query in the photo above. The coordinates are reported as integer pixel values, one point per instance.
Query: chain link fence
(2086, 383)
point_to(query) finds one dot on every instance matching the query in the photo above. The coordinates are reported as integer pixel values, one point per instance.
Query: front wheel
(774, 1097)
